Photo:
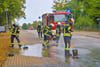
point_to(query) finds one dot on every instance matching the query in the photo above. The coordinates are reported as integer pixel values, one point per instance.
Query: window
(61, 17)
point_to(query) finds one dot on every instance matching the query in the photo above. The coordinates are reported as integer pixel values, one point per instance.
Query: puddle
(83, 51)
(58, 52)
(50, 52)
(33, 50)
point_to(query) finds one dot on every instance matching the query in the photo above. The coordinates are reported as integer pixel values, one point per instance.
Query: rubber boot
(20, 46)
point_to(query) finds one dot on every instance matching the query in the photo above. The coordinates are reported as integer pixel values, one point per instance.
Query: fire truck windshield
(61, 17)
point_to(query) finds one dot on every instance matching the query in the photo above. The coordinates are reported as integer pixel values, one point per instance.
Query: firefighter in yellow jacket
(14, 34)
(47, 35)
(67, 34)
(58, 32)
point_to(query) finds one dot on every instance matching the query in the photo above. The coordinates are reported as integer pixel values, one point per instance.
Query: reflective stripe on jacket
(15, 31)
(11, 28)
(47, 31)
(39, 29)
(67, 29)
(58, 31)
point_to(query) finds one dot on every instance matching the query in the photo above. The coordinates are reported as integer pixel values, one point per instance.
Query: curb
(87, 35)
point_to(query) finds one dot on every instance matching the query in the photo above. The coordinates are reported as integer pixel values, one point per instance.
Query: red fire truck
(54, 18)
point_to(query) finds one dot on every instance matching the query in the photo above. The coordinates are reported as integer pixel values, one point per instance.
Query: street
(88, 51)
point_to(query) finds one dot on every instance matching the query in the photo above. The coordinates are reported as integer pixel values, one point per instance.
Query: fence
(86, 27)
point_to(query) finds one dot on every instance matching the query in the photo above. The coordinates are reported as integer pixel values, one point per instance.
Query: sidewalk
(87, 33)
(30, 61)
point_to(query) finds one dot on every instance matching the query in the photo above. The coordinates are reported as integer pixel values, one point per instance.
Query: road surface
(88, 52)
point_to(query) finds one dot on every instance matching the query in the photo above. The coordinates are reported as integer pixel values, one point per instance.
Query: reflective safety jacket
(39, 29)
(47, 31)
(67, 29)
(11, 28)
(14, 30)
(58, 30)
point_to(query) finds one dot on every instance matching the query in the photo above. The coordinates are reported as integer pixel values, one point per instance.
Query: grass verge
(4, 44)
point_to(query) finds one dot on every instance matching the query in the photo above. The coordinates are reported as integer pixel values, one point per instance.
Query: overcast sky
(34, 9)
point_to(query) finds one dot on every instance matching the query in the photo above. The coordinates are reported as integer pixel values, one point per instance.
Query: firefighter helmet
(59, 23)
(52, 24)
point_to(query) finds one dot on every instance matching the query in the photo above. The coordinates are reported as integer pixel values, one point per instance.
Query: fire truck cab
(54, 18)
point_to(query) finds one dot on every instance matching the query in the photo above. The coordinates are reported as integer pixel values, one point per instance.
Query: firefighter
(67, 33)
(15, 34)
(11, 27)
(39, 30)
(47, 35)
(71, 24)
(44, 30)
(58, 32)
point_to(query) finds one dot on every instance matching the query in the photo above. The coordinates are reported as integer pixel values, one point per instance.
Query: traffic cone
(72, 46)
(53, 48)
(71, 49)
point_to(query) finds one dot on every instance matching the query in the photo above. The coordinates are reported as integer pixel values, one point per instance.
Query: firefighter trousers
(46, 40)
(12, 39)
(39, 33)
(67, 44)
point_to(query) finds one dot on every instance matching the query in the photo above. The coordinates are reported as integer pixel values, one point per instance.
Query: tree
(15, 10)
(93, 8)
(60, 5)
(25, 26)
(29, 24)
(35, 24)
(40, 22)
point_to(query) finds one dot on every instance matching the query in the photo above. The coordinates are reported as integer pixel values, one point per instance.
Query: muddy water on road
(57, 52)
(85, 55)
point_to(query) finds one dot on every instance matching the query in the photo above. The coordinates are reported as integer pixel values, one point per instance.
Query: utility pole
(98, 19)
(7, 19)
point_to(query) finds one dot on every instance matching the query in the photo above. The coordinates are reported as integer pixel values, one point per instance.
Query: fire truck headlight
(53, 32)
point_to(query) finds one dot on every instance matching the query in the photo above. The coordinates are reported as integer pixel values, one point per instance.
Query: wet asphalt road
(88, 51)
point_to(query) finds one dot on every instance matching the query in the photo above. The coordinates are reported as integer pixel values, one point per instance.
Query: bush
(85, 20)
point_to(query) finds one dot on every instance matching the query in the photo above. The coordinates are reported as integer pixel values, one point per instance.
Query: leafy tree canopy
(15, 10)
(25, 26)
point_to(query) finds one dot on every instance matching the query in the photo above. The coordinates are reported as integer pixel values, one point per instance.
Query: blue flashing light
(39, 17)
(69, 10)
(53, 11)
